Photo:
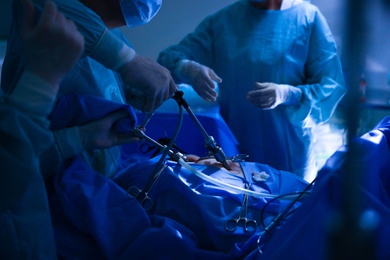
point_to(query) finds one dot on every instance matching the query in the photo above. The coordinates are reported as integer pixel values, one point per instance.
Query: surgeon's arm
(197, 46)
(100, 43)
(325, 84)
(24, 131)
(143, 78)
(190, 61)
(72, 141)
(146, 83)
(51, 46)
(324, 88)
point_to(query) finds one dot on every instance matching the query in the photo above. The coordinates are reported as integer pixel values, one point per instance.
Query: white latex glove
(199, 77)
(147, 83)
(52, 46)
(98, 134)
(270, 95)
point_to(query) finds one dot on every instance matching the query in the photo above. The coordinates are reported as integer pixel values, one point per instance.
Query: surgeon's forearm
(67, 144)
(100, 43)
(33, 95)
(34, 98)
(89, 24)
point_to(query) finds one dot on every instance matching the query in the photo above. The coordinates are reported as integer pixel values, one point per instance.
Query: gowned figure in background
(279, 76)
(25, 223)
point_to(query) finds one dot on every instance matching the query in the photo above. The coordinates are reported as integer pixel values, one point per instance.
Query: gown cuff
(33, 95)
(294, 96)
(112, 52)
(68, 142)
(181, 70)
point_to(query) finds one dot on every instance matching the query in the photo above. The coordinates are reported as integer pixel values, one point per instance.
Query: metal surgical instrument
(139, 132)
(249, 225)
(210, 143)
(143, 195)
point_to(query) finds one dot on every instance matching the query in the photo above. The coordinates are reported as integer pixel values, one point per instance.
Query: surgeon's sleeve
(24, 128)
(325, 84)
(24, 135)
(100, 43)
(196, 46)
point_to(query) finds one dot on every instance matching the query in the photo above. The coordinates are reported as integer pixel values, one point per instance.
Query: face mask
(138, 12)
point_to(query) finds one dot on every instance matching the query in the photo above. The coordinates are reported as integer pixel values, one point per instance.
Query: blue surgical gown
(244, 45)
(315, 229)
(25, 222)
(87, 77)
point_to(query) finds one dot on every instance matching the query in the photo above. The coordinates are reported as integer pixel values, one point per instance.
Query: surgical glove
(147, 84)
(199, 77)
(98, 134)
(270, 95)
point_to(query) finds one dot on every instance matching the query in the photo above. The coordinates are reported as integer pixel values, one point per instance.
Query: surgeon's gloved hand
(147, 83)
(270, 95)
(98, 134)
(200, 77)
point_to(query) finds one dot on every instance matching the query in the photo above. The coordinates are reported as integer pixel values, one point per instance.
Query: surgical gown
(88, 77)
(25, 222)
(244, 45)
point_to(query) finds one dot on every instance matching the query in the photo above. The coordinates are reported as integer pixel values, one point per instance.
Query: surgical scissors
(249, 225)
(146, 201)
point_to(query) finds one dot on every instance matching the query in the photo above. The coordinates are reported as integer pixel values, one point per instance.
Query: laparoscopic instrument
(210, 144)
(139, 132)
(142, 195)
(280, 217)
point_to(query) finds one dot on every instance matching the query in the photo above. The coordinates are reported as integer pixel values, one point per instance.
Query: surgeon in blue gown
(93, 216)
(279, 76)
(25, 222)
(109, 68)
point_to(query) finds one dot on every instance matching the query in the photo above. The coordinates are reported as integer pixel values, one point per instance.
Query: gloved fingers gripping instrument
(210, 144)
(139, 131)
(143, 194)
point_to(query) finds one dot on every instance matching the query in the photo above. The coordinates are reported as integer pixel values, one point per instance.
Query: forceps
(249, 225)
(146, 201)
